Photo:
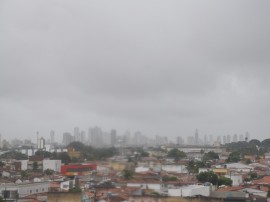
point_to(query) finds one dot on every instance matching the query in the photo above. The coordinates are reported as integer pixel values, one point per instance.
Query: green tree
(74, 160)
(168, 178)
(208, 176)
(127, 174)
(193, 167)
(64, 157)
(24, 174)
(14, 155)
(253, 175)
(44, 154)
(176, 154)
(75, 190)
(48, 171)
(234, 157)
(224, 181)
(35, 166)
(2, 164)
(210, 156)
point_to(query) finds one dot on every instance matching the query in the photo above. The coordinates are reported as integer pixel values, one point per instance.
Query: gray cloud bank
(162, 67)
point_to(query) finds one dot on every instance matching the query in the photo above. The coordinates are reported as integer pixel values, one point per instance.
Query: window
(30, 191)
(36, 190)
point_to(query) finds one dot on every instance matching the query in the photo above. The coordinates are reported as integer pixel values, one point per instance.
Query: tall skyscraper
(96, 136)
(205, 140)
(241, 137)
(228, 139)
(67, 138)
(190, 140)
(211, 140)
(113, 137)
(82, 137)
(235, 138)
(41, 143)
(219, 139)
(179, 140)
(196, 137)
(77, 134)
(224, 139)
(247, 138)
(52, 136)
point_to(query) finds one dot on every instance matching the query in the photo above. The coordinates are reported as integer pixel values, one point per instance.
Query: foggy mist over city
(164, 68)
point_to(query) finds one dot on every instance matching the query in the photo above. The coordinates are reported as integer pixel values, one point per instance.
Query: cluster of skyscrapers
(211, 140)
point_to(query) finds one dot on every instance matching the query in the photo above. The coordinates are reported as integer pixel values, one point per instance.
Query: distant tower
(41, 143)
(196, 137)
(241, 138)
(37, 139)
(77, 134)
(247, 138)
(205, 140)
(52, 136)
(179, 140)
(82, 136)
(113, 137)
(228, 138)
(211, 141)
(235, 139)
(224, 139)
(219, 139)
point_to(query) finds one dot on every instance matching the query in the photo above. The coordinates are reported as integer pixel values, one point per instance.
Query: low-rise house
(156, 186)
(141, 169)
(174, 168)
(236, 179)
(26, 189)
(189, 191)
(35, 162)
(240, 167)
(54, 165)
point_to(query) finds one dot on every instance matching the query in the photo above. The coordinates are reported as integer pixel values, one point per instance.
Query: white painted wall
(52, 164)
(174, 168)
(236, 179)
(141, 169)
(191, 190)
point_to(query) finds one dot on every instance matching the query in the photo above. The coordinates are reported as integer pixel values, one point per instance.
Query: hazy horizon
(160, 67)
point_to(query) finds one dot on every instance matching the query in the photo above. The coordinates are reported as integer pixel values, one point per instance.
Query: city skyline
(164, 68)
(96, 136)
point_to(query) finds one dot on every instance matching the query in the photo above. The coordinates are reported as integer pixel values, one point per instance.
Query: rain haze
(159, 67)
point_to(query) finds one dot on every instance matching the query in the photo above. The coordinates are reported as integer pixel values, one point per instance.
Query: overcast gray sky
(161, 67)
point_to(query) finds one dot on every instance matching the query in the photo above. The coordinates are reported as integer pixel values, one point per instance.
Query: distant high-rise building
(113, 137)
(190, 140)
(228, 139)
(52, 136)
(205, 140)
(235, 138)
(211, 140)
(241, 137)
(67, 138)
(179, 140)
(196, 137)
(219, 139)
(82, 137)
(96, 136)
(224, 139)
(247, 138)
(77, 134)
(41, 143)
(126, 138)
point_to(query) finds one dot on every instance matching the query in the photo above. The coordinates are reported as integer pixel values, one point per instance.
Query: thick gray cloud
(162, 67)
